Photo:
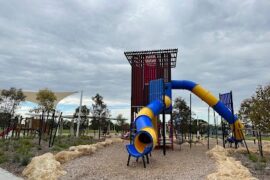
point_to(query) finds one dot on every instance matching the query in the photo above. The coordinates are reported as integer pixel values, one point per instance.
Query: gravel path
(110, 163)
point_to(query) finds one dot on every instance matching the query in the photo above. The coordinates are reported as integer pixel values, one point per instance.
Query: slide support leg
(128, 160)
(143, 162)
(147, 159)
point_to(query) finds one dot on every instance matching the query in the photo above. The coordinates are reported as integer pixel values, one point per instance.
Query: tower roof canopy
(153, 56)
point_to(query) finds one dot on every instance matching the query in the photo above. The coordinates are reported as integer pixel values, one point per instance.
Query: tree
(46, 99)
(10, 100)
(256, 110)
(84, 112)
(200, 126)
(181, 115)
(245, 110)
(100, 112)
(121, 121)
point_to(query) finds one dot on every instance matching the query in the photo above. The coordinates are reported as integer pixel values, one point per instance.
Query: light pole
(79, 117)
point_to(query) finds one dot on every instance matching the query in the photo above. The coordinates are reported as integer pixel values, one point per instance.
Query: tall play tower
(147, 66)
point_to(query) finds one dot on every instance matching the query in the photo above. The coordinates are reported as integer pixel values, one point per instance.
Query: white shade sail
(31, 96)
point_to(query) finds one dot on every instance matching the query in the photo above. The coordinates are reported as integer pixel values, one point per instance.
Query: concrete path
(5, 175)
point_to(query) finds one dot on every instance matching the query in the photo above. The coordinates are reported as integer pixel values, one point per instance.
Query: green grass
(248, 137)
(253, 157)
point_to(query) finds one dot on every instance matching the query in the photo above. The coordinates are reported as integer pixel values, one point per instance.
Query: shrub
(23, 150)
(3, 159)
(39, 148)
(259, 166)
(25, 160)
(253, 157)
(263, 159)
(1, 152)
(26, 142)
(16, 158)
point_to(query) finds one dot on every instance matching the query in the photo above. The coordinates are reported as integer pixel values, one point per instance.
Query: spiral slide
(146, 121)
(146, 124)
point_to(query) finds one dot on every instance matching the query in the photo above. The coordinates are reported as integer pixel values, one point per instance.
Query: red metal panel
(137, 86)
(150, 69)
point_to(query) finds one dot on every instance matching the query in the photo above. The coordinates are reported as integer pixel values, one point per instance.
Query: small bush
(3, 159)
(16, 145)
(6, 146)
(263, 159)
(26, 142)
(259, 166)
(23, 150)
(253, 157)
(16, 158)
(2, 142)
(25, 160)
(1, 152)
(39, 148)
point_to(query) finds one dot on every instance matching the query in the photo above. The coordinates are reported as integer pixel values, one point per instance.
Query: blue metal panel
(156, 92)
(226, 100)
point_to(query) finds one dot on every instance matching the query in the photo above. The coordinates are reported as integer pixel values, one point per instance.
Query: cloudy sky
(72, 45)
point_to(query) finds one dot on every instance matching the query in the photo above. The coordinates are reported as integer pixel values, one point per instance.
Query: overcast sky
(73, 45)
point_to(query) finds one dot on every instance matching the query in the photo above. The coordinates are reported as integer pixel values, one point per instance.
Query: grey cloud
(73, 45)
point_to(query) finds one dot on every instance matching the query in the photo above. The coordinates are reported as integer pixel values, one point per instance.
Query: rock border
(227, 167)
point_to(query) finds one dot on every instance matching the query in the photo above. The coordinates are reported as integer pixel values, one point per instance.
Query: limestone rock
(44, 167)
(227, 167)
(65, 156)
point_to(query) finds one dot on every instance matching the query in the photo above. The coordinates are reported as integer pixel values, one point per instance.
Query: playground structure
(151, 95)
(147, 66)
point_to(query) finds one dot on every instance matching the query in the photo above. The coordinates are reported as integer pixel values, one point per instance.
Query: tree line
(100, 114)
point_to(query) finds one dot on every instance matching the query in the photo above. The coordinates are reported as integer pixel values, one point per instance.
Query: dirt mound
(227, 167)
(44, 167)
